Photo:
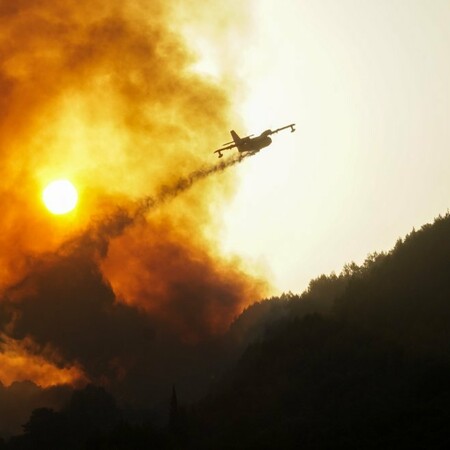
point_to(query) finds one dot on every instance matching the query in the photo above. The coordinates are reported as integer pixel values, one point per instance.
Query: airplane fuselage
(254, 144)
(249, 143)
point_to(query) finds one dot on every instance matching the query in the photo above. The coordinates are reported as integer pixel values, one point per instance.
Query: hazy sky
(103, 93)
(367, 83)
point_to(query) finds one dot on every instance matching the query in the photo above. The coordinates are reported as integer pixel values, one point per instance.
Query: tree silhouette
(174, 413)
(92, 411)
(46, 429)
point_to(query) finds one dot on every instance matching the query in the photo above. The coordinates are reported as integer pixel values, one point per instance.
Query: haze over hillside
(359, 360)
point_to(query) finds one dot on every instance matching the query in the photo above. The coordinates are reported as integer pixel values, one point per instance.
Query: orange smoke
(100, 93)
(103, 93)
(177, 280)
(17, 363)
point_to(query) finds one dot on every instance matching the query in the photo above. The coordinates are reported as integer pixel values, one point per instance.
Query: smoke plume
(130, 289)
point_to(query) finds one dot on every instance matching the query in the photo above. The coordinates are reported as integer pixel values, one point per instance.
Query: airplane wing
(291, 126)
(228, 147)
(220, 150)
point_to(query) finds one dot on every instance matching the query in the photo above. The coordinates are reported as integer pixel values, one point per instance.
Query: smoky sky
(132, 291)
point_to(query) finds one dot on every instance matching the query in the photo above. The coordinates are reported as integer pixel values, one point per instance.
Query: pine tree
(173, 415)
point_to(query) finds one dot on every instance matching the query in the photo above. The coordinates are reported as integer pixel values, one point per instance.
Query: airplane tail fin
(235, 137)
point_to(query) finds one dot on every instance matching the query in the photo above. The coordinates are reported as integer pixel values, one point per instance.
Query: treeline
(361, 360)
(368, 368)
(92, 421)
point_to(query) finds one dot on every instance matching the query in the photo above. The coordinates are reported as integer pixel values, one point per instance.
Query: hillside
(371, 371)
(403, 294)
(360, 360)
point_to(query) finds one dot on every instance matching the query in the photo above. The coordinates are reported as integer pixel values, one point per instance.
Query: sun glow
(60, 197)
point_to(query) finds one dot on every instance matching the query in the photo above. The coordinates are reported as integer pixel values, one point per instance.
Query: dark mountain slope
(319, 383)
(405, 295)
(373, 373)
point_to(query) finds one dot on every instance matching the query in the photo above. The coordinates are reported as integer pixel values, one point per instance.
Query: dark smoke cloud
(65, 300)
(66, 303)
(131, 292)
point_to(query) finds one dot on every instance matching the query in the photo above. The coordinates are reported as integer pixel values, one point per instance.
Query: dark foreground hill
(371, 371)
(361, 360)
(320, 383)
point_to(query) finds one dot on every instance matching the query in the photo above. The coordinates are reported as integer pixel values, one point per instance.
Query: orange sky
(126, 97)
(104, 94)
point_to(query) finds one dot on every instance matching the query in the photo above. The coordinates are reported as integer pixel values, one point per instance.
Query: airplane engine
(266, 142)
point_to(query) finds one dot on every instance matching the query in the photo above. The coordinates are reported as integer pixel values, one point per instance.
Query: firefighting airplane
(249, 143)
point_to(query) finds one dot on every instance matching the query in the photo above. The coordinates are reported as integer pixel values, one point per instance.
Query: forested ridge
(360, 360)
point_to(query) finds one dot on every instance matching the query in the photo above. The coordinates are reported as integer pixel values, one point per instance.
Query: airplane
(249, 143)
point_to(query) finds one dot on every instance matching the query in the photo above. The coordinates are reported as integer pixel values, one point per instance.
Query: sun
(60, 196)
